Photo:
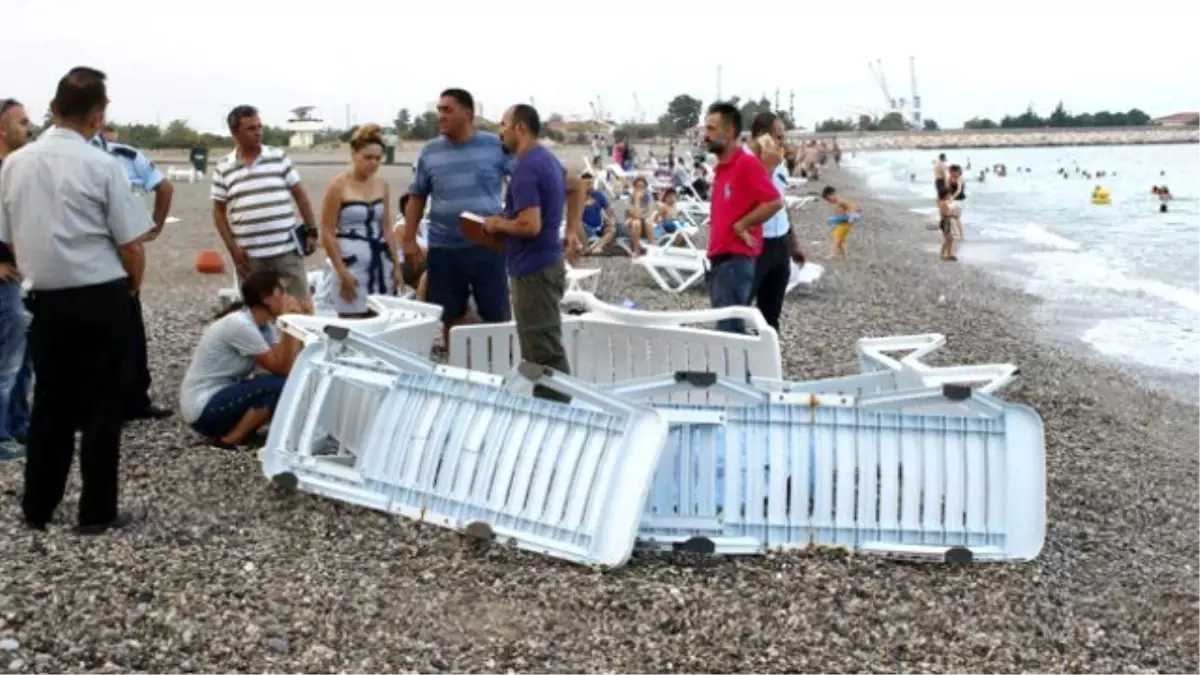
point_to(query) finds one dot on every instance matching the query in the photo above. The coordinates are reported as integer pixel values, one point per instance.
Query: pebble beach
(224, 573)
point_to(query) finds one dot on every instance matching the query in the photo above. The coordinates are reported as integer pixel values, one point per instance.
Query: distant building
(304, 128)
(1185, 119)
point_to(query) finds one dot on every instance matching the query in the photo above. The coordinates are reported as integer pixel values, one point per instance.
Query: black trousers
(771, 275)
(81, 342)
(139, 390)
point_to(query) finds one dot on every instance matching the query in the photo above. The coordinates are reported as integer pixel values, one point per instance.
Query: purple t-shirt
(537, 181)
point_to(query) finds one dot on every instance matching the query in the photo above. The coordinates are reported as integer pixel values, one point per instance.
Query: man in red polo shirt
(743, 198)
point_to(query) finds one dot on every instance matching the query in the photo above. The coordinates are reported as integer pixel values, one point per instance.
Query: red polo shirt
(741, 185)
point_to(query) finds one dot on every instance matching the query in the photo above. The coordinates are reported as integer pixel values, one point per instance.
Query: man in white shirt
(76, 230)
(773, 268)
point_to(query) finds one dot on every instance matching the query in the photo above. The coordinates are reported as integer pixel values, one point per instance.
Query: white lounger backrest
(404, 324)
(854, 473)
(611, 344)
(456, 449)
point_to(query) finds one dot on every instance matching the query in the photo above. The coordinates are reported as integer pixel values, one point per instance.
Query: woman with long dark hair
(218, 396)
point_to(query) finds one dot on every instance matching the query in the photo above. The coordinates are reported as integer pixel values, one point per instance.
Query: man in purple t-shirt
(539, 195)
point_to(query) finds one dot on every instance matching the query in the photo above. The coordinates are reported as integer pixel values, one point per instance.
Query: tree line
(684, 113)
(1059, 118)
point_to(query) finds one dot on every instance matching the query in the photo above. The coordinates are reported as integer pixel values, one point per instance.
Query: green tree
(683, 113)
(751, 109)
(835, 125)
(979, 123)
(403, 122)
(866, 123)
(1060, 117)
(424, 127)
(892, 121)
(930, 124)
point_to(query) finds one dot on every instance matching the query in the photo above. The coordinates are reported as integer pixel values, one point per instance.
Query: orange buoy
(209, 262)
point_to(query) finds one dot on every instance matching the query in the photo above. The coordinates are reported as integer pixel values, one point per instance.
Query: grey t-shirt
(224, 356)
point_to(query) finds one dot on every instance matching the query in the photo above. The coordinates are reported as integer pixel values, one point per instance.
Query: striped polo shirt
(258, 200)
(457, 177)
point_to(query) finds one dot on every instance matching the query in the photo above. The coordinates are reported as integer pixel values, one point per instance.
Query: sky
(363, 60)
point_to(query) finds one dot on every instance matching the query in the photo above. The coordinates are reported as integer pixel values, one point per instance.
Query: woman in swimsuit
(356, 228)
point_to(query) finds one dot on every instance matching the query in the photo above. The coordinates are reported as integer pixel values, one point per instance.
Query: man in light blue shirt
(463, 169)
(144, 177)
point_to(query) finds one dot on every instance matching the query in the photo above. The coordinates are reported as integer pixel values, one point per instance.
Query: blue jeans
(456, 274)
(12, 363)
(227, 407)
(730, 282)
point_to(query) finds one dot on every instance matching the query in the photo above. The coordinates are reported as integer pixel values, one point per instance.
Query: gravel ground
(223, 574)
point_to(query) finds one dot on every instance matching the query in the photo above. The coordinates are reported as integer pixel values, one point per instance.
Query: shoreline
(223, 574)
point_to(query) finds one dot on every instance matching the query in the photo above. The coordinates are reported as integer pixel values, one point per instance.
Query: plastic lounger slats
(611, 345)
(456, 449)
(861, 475)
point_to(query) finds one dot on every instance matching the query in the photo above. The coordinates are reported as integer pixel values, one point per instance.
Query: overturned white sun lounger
(455, 449)
(942, 473)
(611, 344)
(400, 323)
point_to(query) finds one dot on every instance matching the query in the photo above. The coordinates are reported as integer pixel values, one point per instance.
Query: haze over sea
(1121, 280)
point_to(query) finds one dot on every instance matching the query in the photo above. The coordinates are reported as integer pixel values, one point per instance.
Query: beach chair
(675, 270)
(806, 276)
(364, 423)
(183, 173)
(577, 275)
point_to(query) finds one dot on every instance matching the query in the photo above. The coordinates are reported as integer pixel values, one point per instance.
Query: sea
(1121, 281)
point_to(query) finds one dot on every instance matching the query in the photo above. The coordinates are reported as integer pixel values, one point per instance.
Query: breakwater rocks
(1012, 138)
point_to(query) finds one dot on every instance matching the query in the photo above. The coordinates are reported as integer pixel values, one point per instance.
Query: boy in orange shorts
(845, 216)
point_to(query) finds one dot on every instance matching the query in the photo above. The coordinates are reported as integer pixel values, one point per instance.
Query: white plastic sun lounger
(609, 344)
(456, 449)
(674, 269)
(939, 473)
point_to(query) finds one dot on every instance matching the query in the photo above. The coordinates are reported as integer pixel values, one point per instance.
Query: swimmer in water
(1164, 196)
(845, 216)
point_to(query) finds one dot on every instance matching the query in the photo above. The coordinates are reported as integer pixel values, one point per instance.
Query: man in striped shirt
(252, 192)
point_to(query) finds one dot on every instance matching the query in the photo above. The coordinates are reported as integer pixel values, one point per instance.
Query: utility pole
(347, 115)
(718, 83)
(777, 98)
(792, 106)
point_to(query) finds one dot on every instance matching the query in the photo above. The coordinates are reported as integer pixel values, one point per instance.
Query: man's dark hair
(942, 157)
(956, 168)
(235, 116)
(259, 286)
(729, 114)
(764, 123)
(523, 113)
(7, 104)
(669, 192)
(79, 92)
(828, 192)
(461, 97)
(404, 203)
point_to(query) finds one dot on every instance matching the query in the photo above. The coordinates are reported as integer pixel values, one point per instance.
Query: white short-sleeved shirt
(224, 356)
(66, 209)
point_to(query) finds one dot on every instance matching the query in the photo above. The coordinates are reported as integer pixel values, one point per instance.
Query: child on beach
(666, 218)
(845, 216)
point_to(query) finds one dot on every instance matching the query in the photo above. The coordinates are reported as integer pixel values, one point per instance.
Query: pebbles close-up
(224, 573)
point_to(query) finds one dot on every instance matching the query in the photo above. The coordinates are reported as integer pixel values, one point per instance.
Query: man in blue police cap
(142, 177)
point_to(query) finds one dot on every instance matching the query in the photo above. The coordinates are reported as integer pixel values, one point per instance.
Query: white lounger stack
(714, 452)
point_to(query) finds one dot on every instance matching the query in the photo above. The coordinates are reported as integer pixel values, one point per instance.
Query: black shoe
(122, 521)
(40, 527)
(150, 412)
